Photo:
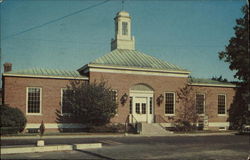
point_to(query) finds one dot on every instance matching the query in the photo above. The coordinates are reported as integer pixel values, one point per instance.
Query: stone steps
(153, 129)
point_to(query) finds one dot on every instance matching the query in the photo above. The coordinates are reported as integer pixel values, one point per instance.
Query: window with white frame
(221, 104)
(200, 103)
(65, 109)
(137, 108)
(34, 100)
(124, 28)
(169, 103)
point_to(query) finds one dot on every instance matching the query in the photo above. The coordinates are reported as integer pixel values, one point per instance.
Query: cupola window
(124, 28)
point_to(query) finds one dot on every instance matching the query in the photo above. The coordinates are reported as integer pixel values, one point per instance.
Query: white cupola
(123, 38)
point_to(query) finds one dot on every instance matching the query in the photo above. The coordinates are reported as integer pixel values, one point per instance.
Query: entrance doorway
(141, 97)
(141, 109)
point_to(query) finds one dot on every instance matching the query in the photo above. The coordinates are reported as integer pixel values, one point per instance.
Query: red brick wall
(211, 101)
(15, 96)
(123, 82)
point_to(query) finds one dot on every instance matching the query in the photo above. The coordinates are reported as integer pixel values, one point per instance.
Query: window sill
(34, 114)
(222, 115)
(169, 115)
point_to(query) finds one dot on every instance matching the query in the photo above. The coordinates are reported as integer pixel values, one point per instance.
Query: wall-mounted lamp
(159, 99)
(124, 98)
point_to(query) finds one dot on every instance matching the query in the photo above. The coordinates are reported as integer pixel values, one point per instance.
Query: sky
(67, 34)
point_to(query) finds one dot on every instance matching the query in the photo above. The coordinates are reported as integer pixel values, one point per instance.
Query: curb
(14, 150)
(121, 135)
(59, 136)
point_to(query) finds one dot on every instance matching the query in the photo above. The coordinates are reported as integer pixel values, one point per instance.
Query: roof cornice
(43, 76)
(132, 69)
(214, 85)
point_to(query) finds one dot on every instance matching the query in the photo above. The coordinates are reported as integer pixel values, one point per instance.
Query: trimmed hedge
(12, 120)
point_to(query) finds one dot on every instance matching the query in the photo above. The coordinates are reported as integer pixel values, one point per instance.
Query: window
(143, 108)
(150, 105)
(130, 104)
(114, 95)
(200, 103)
(64, 102)
(169, 103)
(137, 108)
(221, 104)
(124, 28)
(34, 100)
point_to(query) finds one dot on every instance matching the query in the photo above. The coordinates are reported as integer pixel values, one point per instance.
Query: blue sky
(53, 34)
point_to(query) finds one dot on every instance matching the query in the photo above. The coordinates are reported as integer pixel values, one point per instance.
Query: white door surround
(142, 103)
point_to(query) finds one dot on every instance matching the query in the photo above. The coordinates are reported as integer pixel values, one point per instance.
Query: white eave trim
(129, 70)
(137, 69)
(41, 76)
(214, 85)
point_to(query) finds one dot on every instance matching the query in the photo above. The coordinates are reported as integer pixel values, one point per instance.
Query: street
(224, 147)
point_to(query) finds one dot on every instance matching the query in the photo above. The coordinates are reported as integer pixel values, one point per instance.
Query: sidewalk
(47, 148)
(102, 135)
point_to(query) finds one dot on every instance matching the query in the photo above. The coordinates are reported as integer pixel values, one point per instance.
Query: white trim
(225, 114)
(130, 68)
(214, 85)
(218, 124)
(140, 92)
(61, 104)
(55, 125)
(41, 76)
(204, 103)
(165, 104)
(139, 72)
(27, 96)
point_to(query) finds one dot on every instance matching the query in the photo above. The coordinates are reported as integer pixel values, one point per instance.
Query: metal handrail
(135, 124)
(133, 117)
(161, 118)
(164, 121)
(126, 124)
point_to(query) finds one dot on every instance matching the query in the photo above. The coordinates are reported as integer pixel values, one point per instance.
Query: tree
(238, 57)
(237, 51)
(187, 114)
(12, 120)
(219, 79)
(91, 103)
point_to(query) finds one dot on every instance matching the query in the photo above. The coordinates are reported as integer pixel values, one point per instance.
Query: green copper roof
(208, 81)
(134, 59)
(45, 72)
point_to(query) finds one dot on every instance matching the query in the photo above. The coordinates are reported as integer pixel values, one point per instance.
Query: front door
(140, 109)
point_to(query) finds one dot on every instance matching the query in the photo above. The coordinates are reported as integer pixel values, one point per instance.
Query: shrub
(91, 103)
(108, 128)
(12, 120)
(184, 126)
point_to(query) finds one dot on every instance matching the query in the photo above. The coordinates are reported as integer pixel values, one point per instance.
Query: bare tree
(186, 114)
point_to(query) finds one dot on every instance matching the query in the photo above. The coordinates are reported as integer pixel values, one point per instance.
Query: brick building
(149, 86)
